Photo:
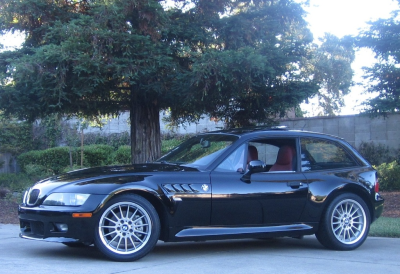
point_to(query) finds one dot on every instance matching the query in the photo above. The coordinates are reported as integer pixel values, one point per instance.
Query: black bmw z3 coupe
(240, 183)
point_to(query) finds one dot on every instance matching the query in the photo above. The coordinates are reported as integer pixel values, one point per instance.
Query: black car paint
(198, 204)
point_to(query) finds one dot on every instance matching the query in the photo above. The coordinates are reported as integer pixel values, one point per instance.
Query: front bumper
(56, 223)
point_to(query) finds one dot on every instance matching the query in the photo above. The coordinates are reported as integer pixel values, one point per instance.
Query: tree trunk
(145, 131)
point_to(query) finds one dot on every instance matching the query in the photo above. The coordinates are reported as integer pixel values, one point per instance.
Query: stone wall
(353, 128)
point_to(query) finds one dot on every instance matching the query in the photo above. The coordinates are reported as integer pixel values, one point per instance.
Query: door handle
(295, 184)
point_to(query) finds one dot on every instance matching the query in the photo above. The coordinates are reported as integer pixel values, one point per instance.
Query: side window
(279, 155)
(233, 162)
(318, 154)
(266, 152)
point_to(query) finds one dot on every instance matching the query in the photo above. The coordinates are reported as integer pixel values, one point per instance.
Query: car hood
(116, 171)
(108, 176)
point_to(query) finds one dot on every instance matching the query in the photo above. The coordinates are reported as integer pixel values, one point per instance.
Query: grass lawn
(385, 227)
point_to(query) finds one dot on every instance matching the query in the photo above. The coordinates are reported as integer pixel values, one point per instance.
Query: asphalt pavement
(282, 255)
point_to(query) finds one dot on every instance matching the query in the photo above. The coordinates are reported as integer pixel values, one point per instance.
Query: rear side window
(318, 154)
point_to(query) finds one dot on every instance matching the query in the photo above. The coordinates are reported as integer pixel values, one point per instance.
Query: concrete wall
(353, 128)
(9, 163)
(121, 124)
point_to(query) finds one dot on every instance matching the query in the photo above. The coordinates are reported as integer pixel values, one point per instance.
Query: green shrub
(37, 172)
(15, 182)
(122, 155)
(28, 158)
(114, 139)
(56, 160)
(376, 154)
(389, 176)
(97, 155)
(52, 159)
(16, 136)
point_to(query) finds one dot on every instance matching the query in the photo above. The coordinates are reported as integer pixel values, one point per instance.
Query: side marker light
(81, 215)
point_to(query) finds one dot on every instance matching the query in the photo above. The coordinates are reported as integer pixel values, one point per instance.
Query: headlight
(66, 199)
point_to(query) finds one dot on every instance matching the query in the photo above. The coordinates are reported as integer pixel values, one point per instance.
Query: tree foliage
(240, 61)
(88, 58)
(383, 78)
(250, 68)
(15, 137)
(332, 69)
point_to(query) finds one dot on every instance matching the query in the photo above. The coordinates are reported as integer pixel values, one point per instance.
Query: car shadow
(185, 249)
(237, 246)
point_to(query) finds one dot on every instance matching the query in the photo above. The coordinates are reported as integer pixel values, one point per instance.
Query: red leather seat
(284, 160)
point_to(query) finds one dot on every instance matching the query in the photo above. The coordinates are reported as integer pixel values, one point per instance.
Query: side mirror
(253, 167)
(256, 166)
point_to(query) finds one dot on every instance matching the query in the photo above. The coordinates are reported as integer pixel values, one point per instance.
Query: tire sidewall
(155, 229)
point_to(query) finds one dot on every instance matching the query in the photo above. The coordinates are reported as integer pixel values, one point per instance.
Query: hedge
(122, 155)
(389, 176)
(97, 155)
(55, 160)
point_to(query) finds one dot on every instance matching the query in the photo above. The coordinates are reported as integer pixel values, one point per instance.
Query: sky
(347, 17)
(338, 17)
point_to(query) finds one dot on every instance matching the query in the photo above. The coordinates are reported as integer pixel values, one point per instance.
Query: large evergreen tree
(246, 66)
(241, 61)
(89, 58)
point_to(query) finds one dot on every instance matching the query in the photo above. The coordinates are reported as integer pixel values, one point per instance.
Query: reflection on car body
(229, 184)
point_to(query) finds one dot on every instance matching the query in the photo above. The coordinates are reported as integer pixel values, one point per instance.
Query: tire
(128, 228)
(345, 223)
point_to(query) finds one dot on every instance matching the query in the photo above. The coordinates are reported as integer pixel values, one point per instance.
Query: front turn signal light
(82, 215)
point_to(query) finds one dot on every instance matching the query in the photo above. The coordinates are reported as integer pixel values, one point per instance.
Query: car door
(267, 198)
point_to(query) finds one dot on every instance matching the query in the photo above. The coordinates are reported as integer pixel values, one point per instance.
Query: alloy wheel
(125, 228)
(348, 221)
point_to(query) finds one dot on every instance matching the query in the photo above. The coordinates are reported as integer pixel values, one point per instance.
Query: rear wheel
(345, 224)
(128, 228)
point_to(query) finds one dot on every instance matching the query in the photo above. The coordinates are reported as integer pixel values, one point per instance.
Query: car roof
(278, 130)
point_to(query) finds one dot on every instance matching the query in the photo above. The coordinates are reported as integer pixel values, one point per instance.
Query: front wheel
(345, 223)
(128, 229)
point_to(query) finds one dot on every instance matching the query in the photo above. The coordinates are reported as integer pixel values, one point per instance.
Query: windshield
(200, 150)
